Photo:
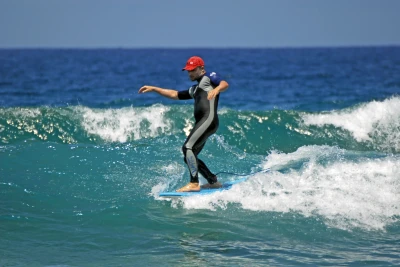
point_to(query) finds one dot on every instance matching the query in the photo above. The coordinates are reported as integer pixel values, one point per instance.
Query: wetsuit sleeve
(184, 95)
(187, 94)
(215, 78)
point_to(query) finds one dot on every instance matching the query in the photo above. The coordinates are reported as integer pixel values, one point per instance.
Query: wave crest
(368, 126)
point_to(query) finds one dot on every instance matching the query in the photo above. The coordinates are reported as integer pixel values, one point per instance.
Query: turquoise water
(83, 158)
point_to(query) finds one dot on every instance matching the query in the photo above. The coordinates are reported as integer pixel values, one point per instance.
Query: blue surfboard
(225, 186)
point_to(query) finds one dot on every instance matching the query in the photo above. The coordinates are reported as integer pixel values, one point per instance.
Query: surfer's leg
(205, 171)
(192, 147)
(202, 167)
(210, 177)
(191, 161)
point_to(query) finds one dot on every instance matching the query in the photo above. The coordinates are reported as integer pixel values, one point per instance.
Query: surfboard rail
(225, 186)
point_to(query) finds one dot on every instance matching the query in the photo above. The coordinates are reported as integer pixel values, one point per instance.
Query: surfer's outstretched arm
(169, 93)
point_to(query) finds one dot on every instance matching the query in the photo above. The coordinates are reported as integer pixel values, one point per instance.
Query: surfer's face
(196, 73)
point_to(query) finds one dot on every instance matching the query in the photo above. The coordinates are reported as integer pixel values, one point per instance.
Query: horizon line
(194, 47)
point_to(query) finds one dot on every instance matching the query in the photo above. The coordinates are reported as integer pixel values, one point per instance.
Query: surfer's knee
(185, 148)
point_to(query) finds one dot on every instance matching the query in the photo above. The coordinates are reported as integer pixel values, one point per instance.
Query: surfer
(206, 95)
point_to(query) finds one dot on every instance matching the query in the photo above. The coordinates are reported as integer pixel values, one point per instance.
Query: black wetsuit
(206, 117)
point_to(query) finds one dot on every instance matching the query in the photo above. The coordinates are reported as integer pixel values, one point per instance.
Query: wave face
(368, 126)
(341, 166)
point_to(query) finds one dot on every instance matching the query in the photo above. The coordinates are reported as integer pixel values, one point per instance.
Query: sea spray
(346, 192)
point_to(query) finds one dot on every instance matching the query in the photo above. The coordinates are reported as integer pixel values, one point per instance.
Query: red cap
(193, 63)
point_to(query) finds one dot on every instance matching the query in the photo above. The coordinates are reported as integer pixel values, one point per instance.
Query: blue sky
(205, 23)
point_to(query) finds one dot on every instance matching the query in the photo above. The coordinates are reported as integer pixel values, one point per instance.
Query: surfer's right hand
(146, 89)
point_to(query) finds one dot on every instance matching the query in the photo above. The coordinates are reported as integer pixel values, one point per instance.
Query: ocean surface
(83, 157)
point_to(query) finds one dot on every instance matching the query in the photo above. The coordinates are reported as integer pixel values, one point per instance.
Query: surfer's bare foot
(211, 186)
(190, 187)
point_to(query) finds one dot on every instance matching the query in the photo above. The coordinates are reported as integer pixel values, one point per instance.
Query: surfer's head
(195, 67)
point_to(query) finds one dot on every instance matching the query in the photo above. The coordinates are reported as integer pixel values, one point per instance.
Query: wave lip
(376, 123)
(122, 125)
(83, 124)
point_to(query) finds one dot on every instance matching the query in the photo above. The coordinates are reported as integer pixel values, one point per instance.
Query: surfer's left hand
(212, 94)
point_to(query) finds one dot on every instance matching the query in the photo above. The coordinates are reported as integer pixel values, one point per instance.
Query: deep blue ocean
(83, 157)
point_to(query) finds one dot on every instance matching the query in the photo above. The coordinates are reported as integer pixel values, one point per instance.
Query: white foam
(124, 124)
(376, 121)
(170, 175)
(20, 112)
(363, 193)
